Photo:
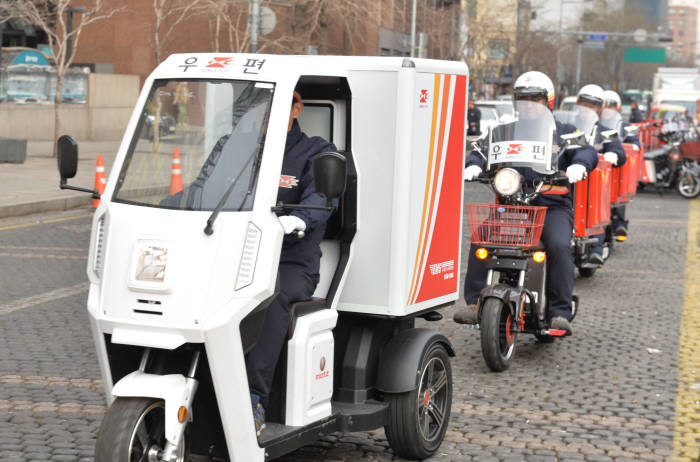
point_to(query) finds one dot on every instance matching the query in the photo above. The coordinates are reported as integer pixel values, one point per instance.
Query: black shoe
(559, 323)
(596, 258)
(466, 316)
(620, 231)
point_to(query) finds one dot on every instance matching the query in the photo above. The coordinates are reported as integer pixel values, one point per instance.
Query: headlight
(507, 182)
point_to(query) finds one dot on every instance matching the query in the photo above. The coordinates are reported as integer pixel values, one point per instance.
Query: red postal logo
(423, 96)
(514, 148)
(220, 62)
(288, 181)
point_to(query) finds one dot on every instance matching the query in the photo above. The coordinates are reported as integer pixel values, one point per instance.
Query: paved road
(607, 394)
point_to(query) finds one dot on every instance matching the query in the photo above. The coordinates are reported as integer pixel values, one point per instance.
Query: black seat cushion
(303, 308)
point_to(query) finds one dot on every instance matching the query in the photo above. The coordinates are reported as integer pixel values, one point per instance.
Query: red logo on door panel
(424, 96)
(219, 62)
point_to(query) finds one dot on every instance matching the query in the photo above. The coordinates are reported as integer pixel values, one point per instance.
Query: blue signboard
(30, 57)
(597, 37)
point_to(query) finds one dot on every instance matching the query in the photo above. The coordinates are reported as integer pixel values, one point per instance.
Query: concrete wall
(111, 101)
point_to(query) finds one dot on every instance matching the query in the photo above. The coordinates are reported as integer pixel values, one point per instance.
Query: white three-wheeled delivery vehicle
(179, 289)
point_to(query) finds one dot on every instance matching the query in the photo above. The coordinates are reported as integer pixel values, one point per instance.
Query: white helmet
(591, 93)
(612, 98)
(534, 83)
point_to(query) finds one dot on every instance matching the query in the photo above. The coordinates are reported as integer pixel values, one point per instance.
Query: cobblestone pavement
(606, 394)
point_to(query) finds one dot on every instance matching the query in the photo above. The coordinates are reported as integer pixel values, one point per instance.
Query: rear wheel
(497, 335)
(689, 186)
(418, 419)
(586, 272)
(133, 430)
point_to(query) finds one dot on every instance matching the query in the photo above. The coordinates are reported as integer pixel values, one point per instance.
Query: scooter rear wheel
(418, 419)
(133, 430)
(498, 339)
(689, 186)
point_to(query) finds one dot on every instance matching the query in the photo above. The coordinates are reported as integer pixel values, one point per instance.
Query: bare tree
(50, 16)
(168, 15)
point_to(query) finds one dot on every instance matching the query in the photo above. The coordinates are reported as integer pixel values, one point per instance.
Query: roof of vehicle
(491, 102)
(569, 99)
(277, 67)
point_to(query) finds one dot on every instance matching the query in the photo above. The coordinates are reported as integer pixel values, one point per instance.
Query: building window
(670, 23)
(681, 12)
(671, 12)
(498, 49)
(681, 33)
(681, 23)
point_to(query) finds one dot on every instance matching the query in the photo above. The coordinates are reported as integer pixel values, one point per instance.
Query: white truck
(679, 86)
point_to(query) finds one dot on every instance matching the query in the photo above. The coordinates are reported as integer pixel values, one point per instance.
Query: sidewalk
(33, 187)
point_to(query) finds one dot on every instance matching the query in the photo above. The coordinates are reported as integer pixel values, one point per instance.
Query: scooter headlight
(507, 182)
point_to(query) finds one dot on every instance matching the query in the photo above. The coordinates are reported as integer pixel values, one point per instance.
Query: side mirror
(330, 174)
(67, 149)
(574, 140)
(609, 135)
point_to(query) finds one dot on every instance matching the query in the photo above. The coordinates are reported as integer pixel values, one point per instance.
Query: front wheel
(418, 419)
(133, 430)
(497, 335)
(689, 186)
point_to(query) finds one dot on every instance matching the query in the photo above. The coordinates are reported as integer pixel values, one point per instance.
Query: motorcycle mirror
(473, 138)
(574, 140)
(631, 130)
(609, 135)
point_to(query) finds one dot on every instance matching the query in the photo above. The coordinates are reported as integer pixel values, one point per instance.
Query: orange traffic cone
(176, 174)
(100, 180)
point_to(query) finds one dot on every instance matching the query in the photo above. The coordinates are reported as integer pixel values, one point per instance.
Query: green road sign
(645, 55)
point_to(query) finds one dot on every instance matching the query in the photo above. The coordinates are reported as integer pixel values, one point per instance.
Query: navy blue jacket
(585, 156)
(611, 146)
(297, 187)
(635, 115)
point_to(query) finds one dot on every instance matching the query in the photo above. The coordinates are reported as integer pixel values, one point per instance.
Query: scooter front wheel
(689, 186)
(418, 419)
(133, 430)
(498, 337)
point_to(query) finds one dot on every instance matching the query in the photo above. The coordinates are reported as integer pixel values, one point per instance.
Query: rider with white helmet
(593, 97)
(536, 87)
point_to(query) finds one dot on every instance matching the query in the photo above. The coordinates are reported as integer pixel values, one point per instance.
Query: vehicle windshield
(568, 105)
(194, 140)
(586, 120)
(526, 142)
(627, 98)
(612, 120)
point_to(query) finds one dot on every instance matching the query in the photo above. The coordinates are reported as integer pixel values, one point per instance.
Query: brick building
(125, 43)
(682, 24)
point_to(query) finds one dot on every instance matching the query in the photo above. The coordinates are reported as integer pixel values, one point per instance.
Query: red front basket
(505, 225)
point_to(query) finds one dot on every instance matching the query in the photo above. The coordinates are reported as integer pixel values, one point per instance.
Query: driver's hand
(611, 157)
(575, 172)
(290, 223)
(471, 172)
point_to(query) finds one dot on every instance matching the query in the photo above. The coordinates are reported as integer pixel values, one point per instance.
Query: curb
(49, 205)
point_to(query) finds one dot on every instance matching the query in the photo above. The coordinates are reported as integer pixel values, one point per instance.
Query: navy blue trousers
(261, 360)
(618, 217)
(556, 236)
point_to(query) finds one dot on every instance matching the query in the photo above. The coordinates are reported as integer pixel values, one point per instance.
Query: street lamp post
(413, 28)
(558, 71)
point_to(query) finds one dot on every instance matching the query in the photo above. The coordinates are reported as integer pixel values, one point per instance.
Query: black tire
(117, 439)
(587, 272)
(498, 341)
(689, 186)
(415, 430)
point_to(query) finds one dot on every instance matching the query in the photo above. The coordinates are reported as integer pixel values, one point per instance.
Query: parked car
(505, 110)
(489, 118)
(568, 103)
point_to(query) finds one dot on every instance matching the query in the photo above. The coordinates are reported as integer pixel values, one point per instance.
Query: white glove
(471, 172)
(575, 172)
(290, 223)
(611, 157)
